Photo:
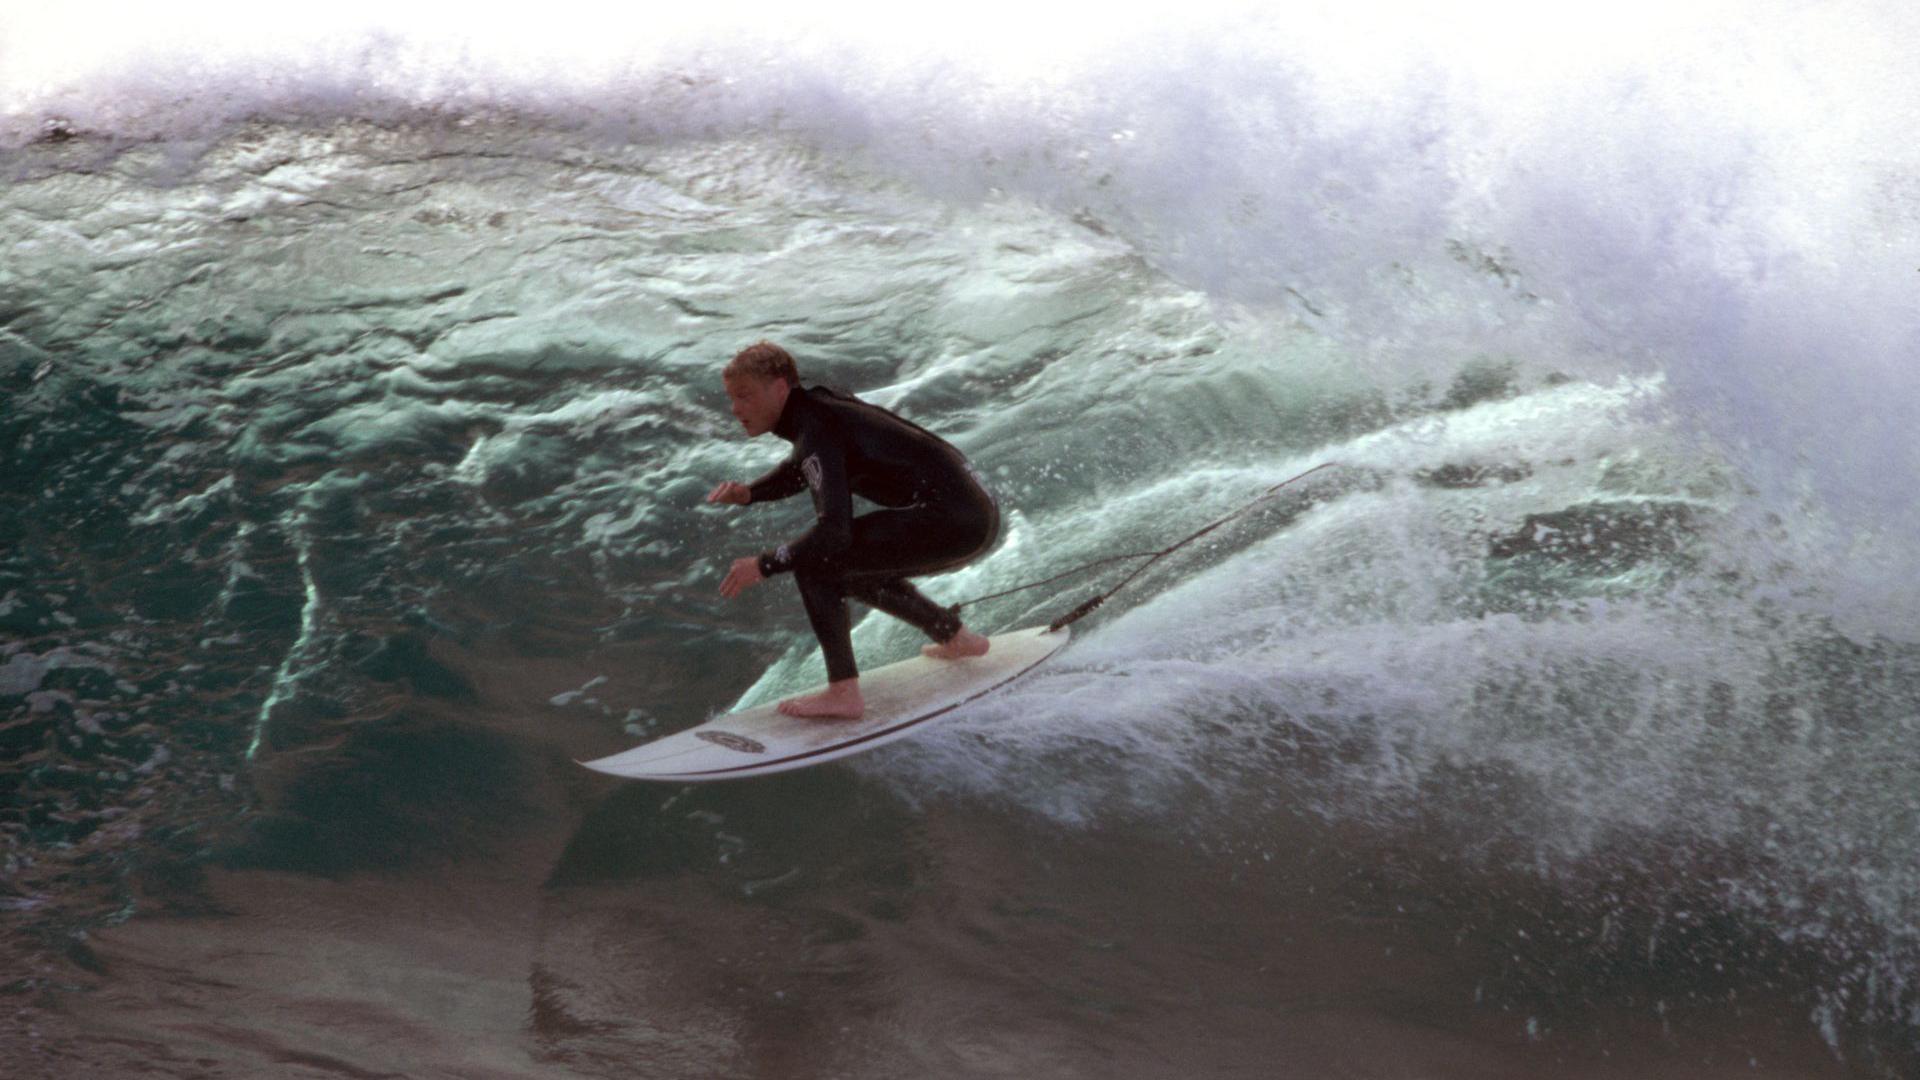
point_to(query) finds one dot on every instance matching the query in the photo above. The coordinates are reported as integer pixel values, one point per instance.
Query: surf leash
(1088, 606)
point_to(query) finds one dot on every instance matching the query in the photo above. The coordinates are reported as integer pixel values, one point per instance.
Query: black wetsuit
(938, 515)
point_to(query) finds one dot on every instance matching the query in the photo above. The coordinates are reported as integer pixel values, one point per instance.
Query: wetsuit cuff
(771, 564)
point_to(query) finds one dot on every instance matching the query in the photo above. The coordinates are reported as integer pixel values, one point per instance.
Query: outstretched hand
(743, 575)
(730, 491)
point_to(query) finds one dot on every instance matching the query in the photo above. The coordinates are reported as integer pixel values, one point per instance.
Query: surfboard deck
(901, 699)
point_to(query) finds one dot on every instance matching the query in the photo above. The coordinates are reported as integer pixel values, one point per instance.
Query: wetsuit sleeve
(781, 481)
(825, 466)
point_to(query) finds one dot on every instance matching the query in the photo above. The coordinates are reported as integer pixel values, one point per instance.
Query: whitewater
(361, 395)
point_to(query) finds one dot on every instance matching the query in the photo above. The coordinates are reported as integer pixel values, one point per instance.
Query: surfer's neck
(788, 426)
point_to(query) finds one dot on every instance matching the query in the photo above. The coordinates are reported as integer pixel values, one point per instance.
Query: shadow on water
(776, 834)
(730, 929)
(400, 791)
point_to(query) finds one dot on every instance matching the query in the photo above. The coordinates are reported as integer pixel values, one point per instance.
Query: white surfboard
(901, 698)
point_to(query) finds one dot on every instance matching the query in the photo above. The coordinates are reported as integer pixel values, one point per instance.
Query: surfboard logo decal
(731, 741)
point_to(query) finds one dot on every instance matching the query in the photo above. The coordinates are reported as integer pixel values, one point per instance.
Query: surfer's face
(756, 402)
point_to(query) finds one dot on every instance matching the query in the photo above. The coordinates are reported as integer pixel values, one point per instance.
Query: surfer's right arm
(783, 480)
(730, 491)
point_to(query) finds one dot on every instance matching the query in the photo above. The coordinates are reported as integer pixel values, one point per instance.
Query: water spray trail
(289, 673)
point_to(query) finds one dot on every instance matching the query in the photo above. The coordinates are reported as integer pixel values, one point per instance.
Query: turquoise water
(356, 448)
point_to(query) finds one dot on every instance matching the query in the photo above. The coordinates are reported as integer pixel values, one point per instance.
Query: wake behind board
(901, 698)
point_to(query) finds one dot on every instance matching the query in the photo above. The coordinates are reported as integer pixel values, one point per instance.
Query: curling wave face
(1617, 561)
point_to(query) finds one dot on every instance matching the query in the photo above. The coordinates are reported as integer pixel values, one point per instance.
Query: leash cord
(1087, 607)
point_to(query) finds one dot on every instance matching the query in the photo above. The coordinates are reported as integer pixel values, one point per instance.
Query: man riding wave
(935, 515)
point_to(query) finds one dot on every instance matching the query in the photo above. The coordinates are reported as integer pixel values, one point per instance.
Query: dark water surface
(354, 457)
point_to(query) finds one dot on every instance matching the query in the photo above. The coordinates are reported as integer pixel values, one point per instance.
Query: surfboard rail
(902, 698)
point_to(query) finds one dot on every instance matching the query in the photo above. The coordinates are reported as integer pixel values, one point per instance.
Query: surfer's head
(758, 380)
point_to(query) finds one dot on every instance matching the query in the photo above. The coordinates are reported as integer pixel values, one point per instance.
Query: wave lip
(1229, 256)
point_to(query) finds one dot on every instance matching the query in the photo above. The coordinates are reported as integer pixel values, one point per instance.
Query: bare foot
(964, 643)
(839, 701)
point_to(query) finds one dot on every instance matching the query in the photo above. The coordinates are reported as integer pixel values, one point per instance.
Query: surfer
(936, 515)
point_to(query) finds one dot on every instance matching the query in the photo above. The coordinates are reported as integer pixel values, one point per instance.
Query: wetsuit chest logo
(810, 469)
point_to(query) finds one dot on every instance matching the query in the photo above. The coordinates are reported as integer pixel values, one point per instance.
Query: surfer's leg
(898, 598)
(925, 538)
(839, 701)
(825, 598)
(890, 545)
(887, 545)
(962, 644)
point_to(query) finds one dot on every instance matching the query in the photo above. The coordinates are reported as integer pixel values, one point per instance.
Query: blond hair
(763, 360)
